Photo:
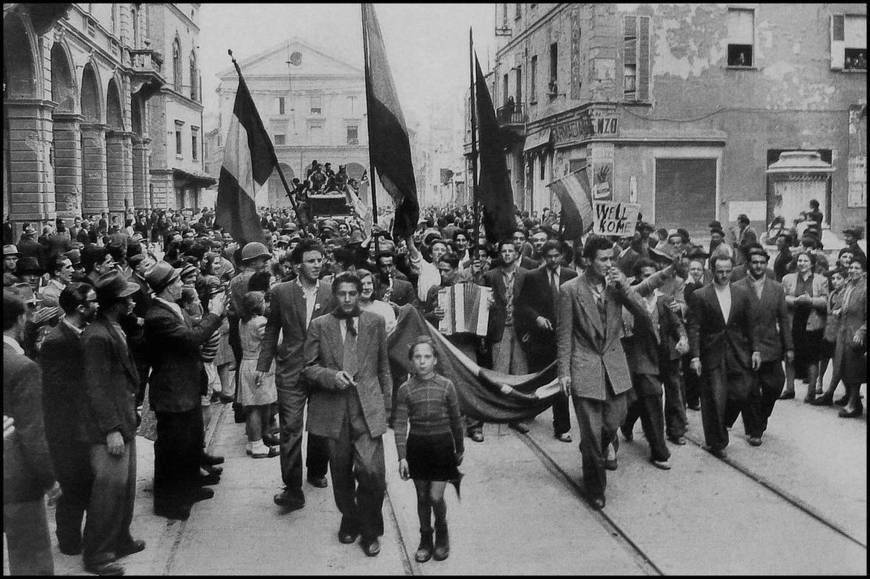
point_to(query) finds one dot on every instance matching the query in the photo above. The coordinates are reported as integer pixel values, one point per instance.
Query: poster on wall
(614, 218)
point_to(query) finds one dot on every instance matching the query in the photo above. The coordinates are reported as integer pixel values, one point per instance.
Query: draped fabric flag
(483, 394)
(575, 196)
(493, 188)
(249, 160)
(389, 146)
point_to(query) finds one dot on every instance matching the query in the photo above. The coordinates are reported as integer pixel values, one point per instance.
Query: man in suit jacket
(592, 363)
(721, 338)
(536, 309)
(506, 282)
(177, 381)
(399, 291)
(64, 405)
(109, 423)
(294, 305)
(770, 317)
(27, 469)
(347, 361)
(140, 263)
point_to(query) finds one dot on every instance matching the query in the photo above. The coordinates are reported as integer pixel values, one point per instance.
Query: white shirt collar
(13, 343)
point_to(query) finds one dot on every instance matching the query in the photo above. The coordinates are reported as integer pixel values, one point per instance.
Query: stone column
(119, 172)
(141, 174)
(95, 197)
(31, 176)
(67, 164)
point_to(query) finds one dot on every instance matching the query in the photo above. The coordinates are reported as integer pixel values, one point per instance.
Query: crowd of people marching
(166, 305)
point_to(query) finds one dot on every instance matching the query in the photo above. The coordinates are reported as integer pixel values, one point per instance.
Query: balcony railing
(146, 64)
(512, 114)
(144, 60)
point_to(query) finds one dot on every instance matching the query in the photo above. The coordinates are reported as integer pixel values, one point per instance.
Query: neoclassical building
(102, 109)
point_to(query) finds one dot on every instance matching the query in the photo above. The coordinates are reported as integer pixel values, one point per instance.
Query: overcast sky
(427, 44)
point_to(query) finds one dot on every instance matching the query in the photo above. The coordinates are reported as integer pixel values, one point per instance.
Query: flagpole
(473, 106)
(369, 131)
(277, 165)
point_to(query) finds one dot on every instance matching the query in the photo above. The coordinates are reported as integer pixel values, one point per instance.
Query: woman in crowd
(369, 304)
(829, 337)
(850, 354)
(806, 294)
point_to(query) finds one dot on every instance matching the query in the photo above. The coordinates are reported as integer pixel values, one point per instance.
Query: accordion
(466, 309)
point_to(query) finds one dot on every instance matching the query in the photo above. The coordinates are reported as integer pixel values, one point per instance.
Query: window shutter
(643, 59)
(838, 41)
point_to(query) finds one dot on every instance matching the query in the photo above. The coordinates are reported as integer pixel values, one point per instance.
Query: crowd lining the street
(99, 314)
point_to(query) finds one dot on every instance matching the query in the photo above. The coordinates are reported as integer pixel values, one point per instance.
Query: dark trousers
(691, 383)
(599, 420)
(648, 407)
(291, 421)
(143, 367)
(358, 473)
(762, 397)
(719, 407)
(176, 456)
(25, 525)
(72, 466)
(538, 359)
(676, 422)
(110, 510)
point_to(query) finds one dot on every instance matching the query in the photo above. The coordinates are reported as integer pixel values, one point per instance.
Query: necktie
(350, 362)
(554, 290)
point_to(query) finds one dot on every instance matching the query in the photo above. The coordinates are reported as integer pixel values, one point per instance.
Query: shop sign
(584, 127)
(614, 218)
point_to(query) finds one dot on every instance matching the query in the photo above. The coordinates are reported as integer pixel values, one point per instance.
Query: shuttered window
(636, 58)
(741, 37)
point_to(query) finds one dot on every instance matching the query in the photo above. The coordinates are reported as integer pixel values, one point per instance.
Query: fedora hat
(161, 275)
(112, 285)
(10, 249)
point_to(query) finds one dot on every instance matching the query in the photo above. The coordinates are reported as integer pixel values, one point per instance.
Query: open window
(741, 37)
(849, 42)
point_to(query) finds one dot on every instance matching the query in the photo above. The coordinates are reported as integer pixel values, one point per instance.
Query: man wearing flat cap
(109, 425)
(10, 264)
(177, 381)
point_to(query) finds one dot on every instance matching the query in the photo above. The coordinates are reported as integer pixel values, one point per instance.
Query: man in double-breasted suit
(592, 363)
(347, 361)
(536, 309)
(294, 305)
(177, 381)
(64, 404)
(109, 423)
(724, 348)
(773, 327)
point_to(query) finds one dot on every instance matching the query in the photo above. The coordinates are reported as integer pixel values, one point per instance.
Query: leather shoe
(290, 500)
(519, 427)
(610, 464)
(787, 395)
(841, 401)
(371, 547)
(856, 413)
(106, 568)
(180, 512)
(209, 459)
(628, 435)
(318, 481)
(564, 437)
(695, 406)
(678, 440)
(754, 441)
(662, 464)
(134, 546)
(200, 494)
(209, 479)
(347, 537)
(823, 400)
(597, 503)
(271, 440)
(477, 436)
(808, 399)
(217, 470)
(717, 452)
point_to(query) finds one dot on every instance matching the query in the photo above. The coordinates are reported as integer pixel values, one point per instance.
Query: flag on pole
(575, 196)
(389, 146)
(249, 160)
(494, 189)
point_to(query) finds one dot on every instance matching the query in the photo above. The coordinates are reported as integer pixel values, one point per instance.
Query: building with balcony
(312, 105)
(84, 102)
(687, 109)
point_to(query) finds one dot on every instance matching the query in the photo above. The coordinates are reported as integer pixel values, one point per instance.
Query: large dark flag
(575, 197)
(249, 160)
(493, 188)
(389, 146)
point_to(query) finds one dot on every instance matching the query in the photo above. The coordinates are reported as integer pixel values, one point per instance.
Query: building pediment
(312, 61)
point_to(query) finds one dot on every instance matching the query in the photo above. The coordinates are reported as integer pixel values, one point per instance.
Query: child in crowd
(255, 395)
(431, 452)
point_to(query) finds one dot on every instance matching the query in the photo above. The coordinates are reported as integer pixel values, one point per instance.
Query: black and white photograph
(434, 289)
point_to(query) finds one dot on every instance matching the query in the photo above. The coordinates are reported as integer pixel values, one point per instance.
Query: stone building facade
(687, 108)
(312, 105)
(83, 85)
